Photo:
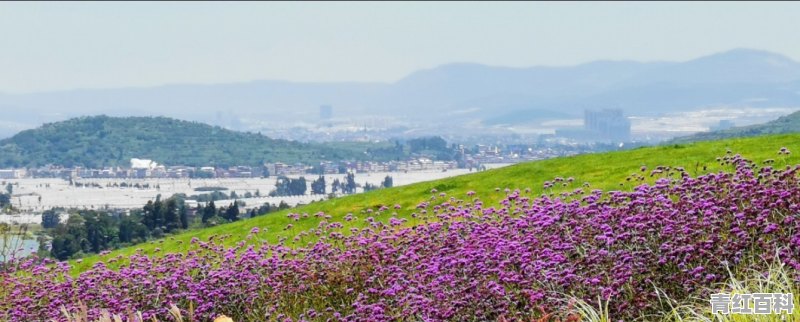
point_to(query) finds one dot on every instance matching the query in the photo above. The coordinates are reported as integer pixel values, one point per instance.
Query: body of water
(25, 248)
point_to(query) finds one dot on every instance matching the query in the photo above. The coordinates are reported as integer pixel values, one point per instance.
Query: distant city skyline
(55, 46)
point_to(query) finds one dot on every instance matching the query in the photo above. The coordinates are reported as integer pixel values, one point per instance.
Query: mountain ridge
(432, 95)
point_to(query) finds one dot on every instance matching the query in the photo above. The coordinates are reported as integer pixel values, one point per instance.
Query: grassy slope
(603, 171)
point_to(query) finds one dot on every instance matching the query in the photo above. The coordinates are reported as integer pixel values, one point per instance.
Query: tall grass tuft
(779, 278)
(590, 313)
(82, 315)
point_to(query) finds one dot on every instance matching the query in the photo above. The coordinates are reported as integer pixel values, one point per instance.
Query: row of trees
(169, 215)
(285, 186)
(90, 231)
(388, 182)
(219, 195)
(268, 208)
(210, 211)
(212, 196)
(346, 187)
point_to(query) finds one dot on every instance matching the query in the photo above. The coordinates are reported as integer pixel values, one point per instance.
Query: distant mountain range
(785, 124)
(111, 141)
(455, 93)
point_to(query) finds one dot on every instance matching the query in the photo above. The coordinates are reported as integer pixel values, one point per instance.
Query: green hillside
(606, 171)
(784, 124)
(109, 141)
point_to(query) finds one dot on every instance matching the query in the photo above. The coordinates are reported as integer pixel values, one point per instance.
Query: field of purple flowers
(519, 259)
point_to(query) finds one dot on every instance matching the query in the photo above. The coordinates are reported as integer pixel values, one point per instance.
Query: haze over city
(269, 66)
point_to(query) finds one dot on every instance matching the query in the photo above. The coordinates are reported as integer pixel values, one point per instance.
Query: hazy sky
(53, 46)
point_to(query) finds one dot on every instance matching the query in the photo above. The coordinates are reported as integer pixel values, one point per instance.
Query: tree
(232, 213)
(157, 233)
(159, 212)
(263, 209)
(282, 186)
(388, 182)
(5, 200)
(335, 186)
(131, 229)
(69, 238)
(149, 215)
(209, 211)
(318, 186)
(64, 246)
(100, 231)
(298, 187)
(50, 219)
(206, 197)
(10, 189)
(285, 186)
(369, 187)
(184, 217)
(350, 183)
(172, 220)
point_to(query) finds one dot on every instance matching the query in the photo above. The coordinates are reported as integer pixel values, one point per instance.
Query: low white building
(145, 164)
(11, 173)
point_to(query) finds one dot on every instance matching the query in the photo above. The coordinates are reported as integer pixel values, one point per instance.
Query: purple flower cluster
(518, 259)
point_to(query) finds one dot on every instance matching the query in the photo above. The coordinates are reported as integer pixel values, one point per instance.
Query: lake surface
(27, 247)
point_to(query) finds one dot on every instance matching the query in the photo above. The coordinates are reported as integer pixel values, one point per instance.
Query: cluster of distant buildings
(139, 169)
(472, 157)
(142, 168)
(12, 173)
(608, 125)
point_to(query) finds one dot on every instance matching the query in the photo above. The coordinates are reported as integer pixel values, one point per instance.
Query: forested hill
(109, 141)
(783, 125)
